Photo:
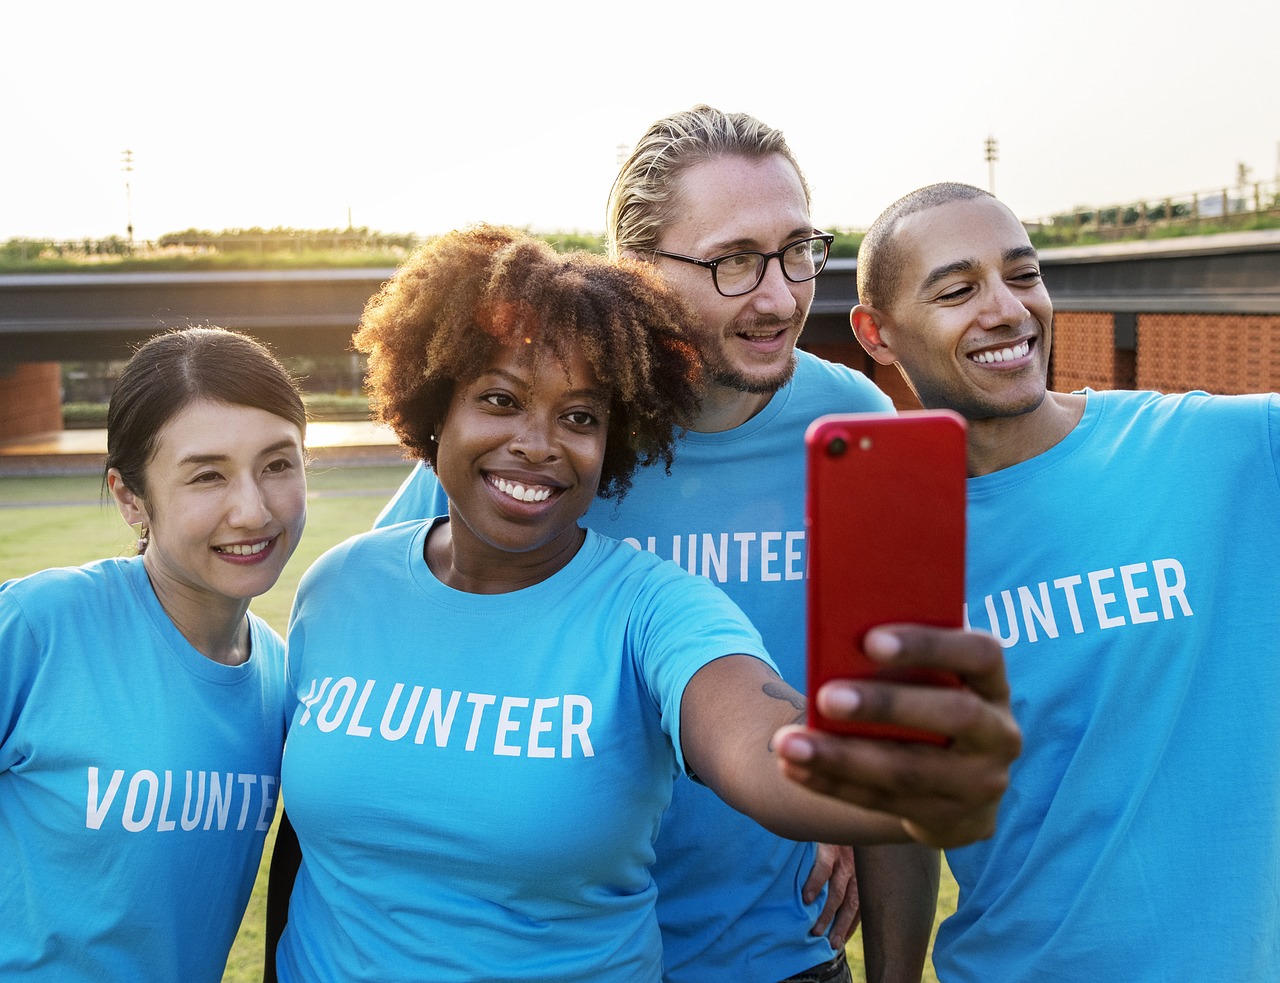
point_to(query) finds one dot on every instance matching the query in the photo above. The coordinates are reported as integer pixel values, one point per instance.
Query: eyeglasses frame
(711, 264)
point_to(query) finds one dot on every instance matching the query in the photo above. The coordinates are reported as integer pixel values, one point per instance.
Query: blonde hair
(642, 199)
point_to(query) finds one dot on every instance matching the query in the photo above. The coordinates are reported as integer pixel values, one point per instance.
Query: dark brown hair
(177, 368)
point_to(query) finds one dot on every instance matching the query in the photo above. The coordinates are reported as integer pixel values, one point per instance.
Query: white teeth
(520, 492)
(239, 550)
(1003, 355)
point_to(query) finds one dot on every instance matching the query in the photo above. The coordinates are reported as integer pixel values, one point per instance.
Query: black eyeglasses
(740, 273)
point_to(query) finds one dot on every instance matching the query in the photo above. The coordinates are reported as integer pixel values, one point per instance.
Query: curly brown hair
(437, 323)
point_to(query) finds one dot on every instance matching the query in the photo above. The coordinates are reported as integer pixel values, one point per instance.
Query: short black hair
(880, 260)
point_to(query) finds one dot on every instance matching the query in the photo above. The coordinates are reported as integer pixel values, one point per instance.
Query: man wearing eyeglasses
(718, 202)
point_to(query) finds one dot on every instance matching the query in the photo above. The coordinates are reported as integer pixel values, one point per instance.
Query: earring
(144, 537)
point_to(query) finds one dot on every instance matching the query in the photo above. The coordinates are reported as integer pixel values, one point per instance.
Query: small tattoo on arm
(780, 691)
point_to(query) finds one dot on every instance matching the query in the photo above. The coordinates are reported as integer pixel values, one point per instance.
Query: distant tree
(846, 244)
(564, 242)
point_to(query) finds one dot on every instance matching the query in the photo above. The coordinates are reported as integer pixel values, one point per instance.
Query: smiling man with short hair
(1123, 547)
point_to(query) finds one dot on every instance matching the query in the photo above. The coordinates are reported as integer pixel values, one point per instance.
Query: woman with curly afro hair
(493, 704)
(465, 295)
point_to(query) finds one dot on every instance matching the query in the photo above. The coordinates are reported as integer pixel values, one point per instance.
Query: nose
(1003, 308)
(776, 295)
(535, 441)
(249, 506)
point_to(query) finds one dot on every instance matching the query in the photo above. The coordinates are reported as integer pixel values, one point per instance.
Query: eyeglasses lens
(742, 272)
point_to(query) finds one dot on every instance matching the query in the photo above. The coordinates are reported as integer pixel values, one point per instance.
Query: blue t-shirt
(477, 779)
(732, 511)
(137, 781)
(1132, 573)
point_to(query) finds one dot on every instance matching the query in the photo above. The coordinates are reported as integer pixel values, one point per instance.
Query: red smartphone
(885, 520)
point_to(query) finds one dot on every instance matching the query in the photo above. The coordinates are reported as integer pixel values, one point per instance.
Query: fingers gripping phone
(885, 519)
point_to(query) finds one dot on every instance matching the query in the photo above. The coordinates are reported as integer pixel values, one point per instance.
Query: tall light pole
(991, 164)
(126, 165)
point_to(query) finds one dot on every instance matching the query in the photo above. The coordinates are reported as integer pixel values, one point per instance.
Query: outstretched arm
(840, 789)
(945, 796)
(731, 709)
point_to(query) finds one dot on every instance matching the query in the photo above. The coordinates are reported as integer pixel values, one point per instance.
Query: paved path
(338, 443)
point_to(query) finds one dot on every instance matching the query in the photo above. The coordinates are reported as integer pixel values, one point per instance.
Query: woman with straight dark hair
(141, 704)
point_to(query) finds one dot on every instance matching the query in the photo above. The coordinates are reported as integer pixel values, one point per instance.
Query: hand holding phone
(885, 517)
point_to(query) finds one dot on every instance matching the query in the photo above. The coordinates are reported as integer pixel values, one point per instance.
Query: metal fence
(203, 243)
(1243, 206)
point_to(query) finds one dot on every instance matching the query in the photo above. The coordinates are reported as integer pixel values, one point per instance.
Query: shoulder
(418, 497)
(619, 562)
(846, 389)
(268, 660)
(67, 607)
(266, 640)
(612, 558)
(356, 563)
(1237, 428)
(667, 611)
(651, 580)
(1190, 409)
(59, 590)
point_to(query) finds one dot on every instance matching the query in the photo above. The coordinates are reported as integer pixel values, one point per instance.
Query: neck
(724, 409)
(1001, 442)
(478, 569)
(216, 626)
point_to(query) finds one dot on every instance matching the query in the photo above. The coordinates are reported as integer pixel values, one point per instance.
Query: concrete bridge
(1171, 314)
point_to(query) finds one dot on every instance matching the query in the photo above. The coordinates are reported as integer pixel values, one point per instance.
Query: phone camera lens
(837, 446)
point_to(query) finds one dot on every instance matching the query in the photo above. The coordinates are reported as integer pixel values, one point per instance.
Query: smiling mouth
(762, 334)
(242, 549)
(1002, 354)
(522, 493)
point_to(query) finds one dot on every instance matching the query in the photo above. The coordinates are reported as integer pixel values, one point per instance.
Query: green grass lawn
(63, 521)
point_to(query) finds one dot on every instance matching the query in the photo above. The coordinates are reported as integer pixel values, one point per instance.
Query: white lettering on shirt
(764, 555)
(504, 725)
(1113, 597)
(150, 800)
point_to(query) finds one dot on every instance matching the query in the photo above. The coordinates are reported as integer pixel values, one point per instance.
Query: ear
(867, 323)
(631, 254)
(132, 509)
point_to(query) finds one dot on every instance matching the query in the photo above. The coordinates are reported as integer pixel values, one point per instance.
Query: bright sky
(423, 116)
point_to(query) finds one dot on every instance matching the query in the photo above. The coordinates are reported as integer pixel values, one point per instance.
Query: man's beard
(722, 371)
(731, 378)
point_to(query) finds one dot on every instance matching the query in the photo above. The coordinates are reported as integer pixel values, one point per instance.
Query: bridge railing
(1245, 205)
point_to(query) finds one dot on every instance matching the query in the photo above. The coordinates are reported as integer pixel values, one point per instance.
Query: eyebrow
(584, 393)
(745, 244)
(279, 445)
(965, 265)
